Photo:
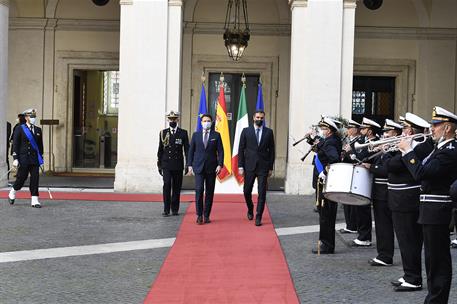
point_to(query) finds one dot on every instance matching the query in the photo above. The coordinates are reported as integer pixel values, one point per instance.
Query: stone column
(143, 98)
(174, 55)
(316, 79)
(4, 11)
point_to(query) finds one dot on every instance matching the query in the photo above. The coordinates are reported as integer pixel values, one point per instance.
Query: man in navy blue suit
(205, 160)
(256, 157)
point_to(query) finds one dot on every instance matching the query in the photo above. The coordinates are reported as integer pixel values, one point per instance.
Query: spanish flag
(223, 128)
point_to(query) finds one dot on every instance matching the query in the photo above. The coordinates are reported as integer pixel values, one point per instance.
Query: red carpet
(227, 261)
(120, 197)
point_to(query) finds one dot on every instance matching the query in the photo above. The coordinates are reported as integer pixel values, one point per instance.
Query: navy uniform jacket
(436, 175)
(205, 160)
(346, 156)
(380, 174)
(329, 152)
(256, 157)
(172, 149)
(23, 150)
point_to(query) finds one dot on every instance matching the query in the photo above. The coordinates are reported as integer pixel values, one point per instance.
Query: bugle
(390, 144)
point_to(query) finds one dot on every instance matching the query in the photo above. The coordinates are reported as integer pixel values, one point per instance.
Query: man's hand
(190, 171)
(270, 172)
(241, 171)
(218, 169)
(347, 148)
(160, 172)
(186, 170)
(405, 145)
(16, 163)
(322, 177)
(366, 165)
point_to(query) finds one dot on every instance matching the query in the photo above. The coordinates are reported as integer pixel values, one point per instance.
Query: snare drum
(348, 184)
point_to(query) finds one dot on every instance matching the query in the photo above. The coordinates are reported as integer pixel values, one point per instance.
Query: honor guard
(382, 215)
(436, 172)
(328, 151)
(369, 129)
(173, 147)
(403, 199)
(28, 156)
(350, 155)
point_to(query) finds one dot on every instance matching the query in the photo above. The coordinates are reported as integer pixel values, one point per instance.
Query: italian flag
(223, 128)
(242, 122)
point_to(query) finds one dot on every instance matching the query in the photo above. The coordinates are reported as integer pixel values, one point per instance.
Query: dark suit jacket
(171, 155)
(23, 150)
(256, 157)
(205, 160)
(329, 151)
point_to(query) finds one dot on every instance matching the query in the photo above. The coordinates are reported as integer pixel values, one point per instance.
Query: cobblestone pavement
(126, 277)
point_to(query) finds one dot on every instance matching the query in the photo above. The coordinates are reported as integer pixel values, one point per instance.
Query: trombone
(390, 144)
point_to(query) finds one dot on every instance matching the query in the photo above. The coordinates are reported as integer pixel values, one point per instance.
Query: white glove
(218, 169)
(190, 172)
(322, 177)
(241, 171)
(16, 163)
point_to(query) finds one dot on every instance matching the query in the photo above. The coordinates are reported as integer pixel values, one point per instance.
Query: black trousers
(384, 230)
(350, 216)
(409, 236)
(22, 174)
(437, 263)
(204, 186)
(327, 217)
(364, 222)
(262, 181)
(172, 182)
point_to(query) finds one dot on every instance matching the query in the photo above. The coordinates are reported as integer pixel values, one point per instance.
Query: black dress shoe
(36, 206)
(165, 214)
(175, 213)
(11, 201)
(322, 251)
(200, 220)
(395, 283)
(404, 288)
(378, 262)
(250, 215)
(258, 220)
(207, 220)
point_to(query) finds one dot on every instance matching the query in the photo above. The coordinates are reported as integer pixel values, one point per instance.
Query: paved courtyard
(126, 275)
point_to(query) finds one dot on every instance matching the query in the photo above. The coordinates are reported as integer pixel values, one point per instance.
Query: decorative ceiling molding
(408, 33)
(64, 24)
(256, 29)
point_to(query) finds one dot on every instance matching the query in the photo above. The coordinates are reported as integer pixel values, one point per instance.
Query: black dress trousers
(172, 182)
(384, 231)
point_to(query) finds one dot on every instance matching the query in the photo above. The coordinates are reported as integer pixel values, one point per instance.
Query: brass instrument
(314, 129)
(390, 144)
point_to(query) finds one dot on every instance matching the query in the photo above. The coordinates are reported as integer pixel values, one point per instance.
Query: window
(110, 92)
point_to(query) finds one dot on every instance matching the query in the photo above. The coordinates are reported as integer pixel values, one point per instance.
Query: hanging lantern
(237, 34)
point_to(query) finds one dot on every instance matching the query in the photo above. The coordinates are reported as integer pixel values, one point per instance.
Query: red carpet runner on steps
(227, 261)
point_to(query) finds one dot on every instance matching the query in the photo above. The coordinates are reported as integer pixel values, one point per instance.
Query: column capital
(126, 2)
(350, 4)
(5, 3)
(175, 2)
(298, 3)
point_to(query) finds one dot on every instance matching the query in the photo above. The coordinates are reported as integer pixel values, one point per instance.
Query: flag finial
(203, 78)
(222, 77)
(243, 79)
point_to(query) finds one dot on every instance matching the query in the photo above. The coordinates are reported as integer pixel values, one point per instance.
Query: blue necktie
(258, 135)
(205, 139)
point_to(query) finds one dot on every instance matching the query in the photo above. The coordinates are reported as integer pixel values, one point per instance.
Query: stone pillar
(143, 98)
(4, 11)
(316, 79)
(174, 55)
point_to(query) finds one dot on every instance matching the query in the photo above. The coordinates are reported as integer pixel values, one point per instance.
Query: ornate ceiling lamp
(237, 34)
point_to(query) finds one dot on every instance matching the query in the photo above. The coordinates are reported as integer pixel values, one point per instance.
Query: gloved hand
(16, 163)
(322, 177)
(241, 171)
(218, 169)
(186, 170)
(190, 171)
(160, 171)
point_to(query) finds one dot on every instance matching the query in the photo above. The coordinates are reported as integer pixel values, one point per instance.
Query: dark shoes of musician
(250, 215)
(378, 262)
(398, 282)
(200, 220)
(165, 214)
(175, 213)
(11, 201)
(345, 230)
(405, 286)
(359, 243)
(207, 220)
(323, 250)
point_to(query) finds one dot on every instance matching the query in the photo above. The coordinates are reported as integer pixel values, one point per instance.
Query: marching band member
(436, 173)
(382, 215)
(349, 155)
(369, 130)
(403, 200)
(328, 151)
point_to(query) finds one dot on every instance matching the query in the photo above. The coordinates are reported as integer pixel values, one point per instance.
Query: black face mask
(173, 124)
(258, 122)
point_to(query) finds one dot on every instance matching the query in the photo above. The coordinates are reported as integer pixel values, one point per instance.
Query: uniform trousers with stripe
(384, 230)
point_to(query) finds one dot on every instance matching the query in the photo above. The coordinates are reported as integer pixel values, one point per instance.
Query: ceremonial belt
(380, 181)
(435, 198)
(402, 186)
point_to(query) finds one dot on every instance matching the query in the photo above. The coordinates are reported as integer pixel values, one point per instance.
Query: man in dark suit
(173, 145)
(256, 157)
(27, 156)
(205, 160)
(8, 135)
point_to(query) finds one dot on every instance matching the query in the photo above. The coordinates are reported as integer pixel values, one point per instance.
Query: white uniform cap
(442, 115)
(412, 120)
(391, 125)
(172, 114)
(329, 123)
(353, 124)
(368, 123)
(29, 111)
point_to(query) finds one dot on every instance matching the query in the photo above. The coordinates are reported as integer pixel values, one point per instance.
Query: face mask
(258, 122)
(321, 134)
(206, 125)
(32, 120)
(173, 124)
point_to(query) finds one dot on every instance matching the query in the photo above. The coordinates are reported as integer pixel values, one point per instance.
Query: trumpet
(390, 144)
(313, 130)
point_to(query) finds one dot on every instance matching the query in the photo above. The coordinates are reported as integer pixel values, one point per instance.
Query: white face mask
(32, 120)
(206, 125)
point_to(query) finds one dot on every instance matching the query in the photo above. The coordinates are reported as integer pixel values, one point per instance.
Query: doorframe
(66, 63)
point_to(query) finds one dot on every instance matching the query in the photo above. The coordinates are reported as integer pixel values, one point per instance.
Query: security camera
(100, 2)
(372, 4)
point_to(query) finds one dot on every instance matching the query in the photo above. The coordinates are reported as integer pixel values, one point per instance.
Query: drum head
(347, 198)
